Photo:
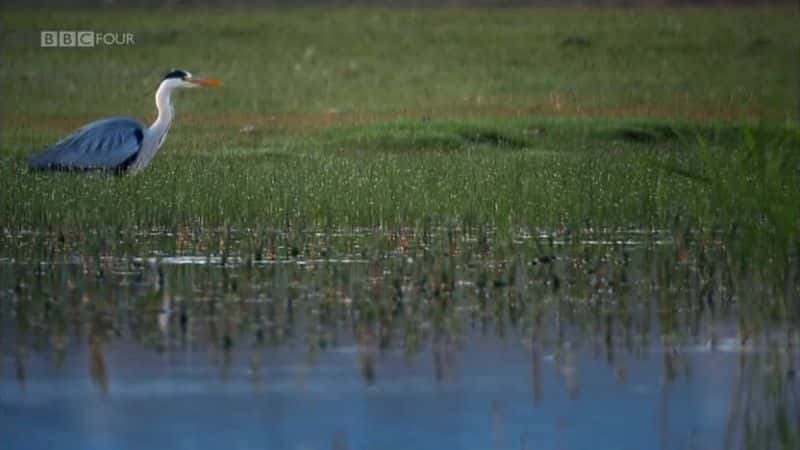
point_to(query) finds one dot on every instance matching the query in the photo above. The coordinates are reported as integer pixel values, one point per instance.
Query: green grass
(556, 119)
(669, 63)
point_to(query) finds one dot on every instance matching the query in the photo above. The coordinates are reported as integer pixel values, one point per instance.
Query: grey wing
(109, 144)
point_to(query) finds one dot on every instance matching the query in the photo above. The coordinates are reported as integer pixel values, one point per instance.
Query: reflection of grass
(764, 404)
(415, 291)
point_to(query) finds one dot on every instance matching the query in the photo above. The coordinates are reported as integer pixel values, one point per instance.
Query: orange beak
(205, 82)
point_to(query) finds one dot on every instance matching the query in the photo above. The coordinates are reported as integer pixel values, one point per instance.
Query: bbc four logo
(58, 38)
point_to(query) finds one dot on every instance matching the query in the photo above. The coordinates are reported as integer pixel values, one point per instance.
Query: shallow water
(365, 340)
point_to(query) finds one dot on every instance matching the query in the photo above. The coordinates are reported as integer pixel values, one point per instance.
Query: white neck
(155, 135)
(165, 111)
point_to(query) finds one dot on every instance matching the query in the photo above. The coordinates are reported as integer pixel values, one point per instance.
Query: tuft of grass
(751, 187)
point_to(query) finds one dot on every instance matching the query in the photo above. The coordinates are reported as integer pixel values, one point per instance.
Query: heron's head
(181, 78)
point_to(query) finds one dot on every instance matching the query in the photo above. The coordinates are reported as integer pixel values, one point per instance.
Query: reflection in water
(19, 361)
(399, 340)
(99, 327)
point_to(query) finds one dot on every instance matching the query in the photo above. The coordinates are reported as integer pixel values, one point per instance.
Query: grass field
(554, 119)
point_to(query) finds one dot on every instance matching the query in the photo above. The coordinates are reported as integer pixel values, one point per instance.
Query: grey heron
(118, 144)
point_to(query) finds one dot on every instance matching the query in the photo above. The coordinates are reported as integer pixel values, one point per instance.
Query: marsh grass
(365, 118)
(565, 174)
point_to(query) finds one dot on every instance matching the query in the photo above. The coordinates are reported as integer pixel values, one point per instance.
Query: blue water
(613, 345)
(486, 396)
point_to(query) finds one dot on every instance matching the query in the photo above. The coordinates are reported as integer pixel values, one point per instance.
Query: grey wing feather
(109, 144)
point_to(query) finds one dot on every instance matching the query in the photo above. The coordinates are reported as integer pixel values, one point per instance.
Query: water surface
(376, 340)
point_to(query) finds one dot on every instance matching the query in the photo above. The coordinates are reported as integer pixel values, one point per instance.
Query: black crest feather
(176, 73)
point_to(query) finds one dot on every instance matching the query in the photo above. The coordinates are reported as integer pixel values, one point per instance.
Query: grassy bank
(702, 64)
(535, 118)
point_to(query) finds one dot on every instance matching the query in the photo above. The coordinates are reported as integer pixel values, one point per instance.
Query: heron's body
(110, 144)
(117, 144)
